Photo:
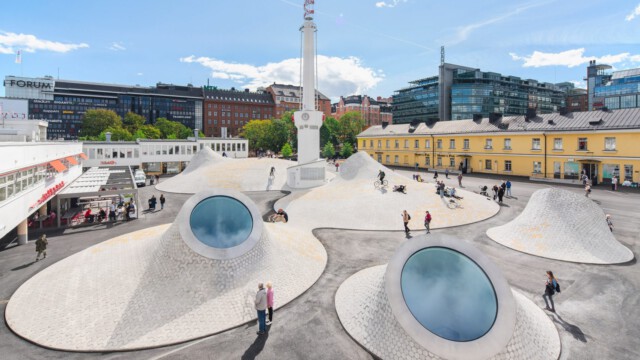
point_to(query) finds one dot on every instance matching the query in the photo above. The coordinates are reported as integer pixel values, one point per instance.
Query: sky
(366, 47)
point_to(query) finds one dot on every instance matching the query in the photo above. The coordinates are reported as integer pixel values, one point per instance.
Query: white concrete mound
(351, 201)
(365, 312)
(210, 170)
(149, 288)
(559, 224)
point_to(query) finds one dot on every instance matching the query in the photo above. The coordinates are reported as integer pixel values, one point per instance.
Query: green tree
(347, 150)
(350, 125)
(328, 151)
(96, 121)
(279, 133)
(117, 134)
(292, 136)
(148, 132)
(132, 122)
(286, 151)
(256, 132)
(172, 129)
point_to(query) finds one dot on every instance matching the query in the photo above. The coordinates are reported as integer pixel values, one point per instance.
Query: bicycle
(377, 184)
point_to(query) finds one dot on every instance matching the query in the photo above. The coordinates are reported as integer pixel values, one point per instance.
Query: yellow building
(602, 144)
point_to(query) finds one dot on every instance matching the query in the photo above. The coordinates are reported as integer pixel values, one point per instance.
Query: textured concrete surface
(148, 289)
(365, 312)
(350, 201)
(597, 309)
(559, 224)
(210, 170)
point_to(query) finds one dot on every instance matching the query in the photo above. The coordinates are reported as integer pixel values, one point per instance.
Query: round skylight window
(449, 294)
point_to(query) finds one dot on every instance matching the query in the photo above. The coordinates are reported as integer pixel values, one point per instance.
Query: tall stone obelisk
(310, 170)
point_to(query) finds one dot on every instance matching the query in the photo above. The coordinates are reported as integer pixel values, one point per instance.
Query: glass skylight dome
(449, 294)
(220, 223)
(450, 298)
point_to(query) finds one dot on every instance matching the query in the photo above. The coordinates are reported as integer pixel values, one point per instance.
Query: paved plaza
(596, 300)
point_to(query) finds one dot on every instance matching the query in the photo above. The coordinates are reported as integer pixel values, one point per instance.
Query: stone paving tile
(365, 313)
(148, 289)
(562, 225)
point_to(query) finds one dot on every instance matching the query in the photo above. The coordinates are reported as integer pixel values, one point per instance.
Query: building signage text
(29, 84)
(47, 195)
(112, 162)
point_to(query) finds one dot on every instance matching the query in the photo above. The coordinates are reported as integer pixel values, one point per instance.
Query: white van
(140, 178)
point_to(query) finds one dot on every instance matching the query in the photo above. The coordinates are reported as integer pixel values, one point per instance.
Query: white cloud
(117, 46)
(463, 32)
(635, 13)
(579, 84)
(390, 4)
(337, 76)
(11, 42)
(139, 74)
(570, 58)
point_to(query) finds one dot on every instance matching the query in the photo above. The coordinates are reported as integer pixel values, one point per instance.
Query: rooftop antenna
(442, 55)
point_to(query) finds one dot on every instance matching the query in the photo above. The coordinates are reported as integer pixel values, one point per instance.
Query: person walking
(460, 180)
(261, 307)
(405, 219)
(614, 182)
(427, 222)
(162, 200)
(500, 194)
(337, 166)
(508, 184)
(435, 174)
(446, 173)
(270, 302)
(609, 222)
(550, 289)
(495, 191)
(157, 179)
(587, 190)
(112, 211)
(41, 247)
(272, 172)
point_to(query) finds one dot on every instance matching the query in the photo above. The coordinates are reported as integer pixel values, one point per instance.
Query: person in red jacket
(427, 222)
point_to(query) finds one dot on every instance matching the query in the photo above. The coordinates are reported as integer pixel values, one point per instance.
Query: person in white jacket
(261, 307)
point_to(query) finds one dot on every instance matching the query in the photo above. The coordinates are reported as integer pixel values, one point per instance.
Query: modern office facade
(158, 156)
(460, 92)
(373, 111)
(32, 172)
(615, 90)
(63, 103)
(227, 111)
(603, 144)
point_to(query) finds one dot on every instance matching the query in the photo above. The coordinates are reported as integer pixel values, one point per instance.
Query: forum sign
(29, 88)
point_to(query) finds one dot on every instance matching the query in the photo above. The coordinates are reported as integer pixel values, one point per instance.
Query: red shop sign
(47, 195)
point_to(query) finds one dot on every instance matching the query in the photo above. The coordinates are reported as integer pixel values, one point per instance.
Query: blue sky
(365, 46)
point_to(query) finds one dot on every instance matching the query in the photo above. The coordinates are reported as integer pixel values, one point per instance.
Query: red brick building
(374, 112)
(227, 111)
(577, 100)
(288, 98)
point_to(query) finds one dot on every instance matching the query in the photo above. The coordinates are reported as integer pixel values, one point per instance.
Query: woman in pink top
(270, 301)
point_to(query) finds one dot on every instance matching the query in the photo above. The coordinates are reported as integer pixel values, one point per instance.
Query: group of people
(264, 307)
(279, 216)
(406, 218)
(499, 191)
(153, 201)
(114, 212)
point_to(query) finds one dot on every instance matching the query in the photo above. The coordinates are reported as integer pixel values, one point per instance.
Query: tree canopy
(347, 150)
(270, 134)
(350, 125)
(95, 122)
(286, 150)
(328, 151)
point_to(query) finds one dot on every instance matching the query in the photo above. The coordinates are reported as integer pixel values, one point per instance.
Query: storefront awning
(588, 160)
(58, 166)
(72, 160)
(83, 156)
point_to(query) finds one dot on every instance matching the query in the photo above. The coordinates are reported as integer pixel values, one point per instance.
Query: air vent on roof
(596, 122)
(563, 110)
(477, 117)
(430, 121)
(550, 122)
(531, 114)
(503, 126)
(494, 117)
(604, 108)
(385, 124)
(414, 125)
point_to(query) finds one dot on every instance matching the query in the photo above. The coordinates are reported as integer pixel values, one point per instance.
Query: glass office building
(459, 92)
(63, 103)
(418, 101)
(621, 90)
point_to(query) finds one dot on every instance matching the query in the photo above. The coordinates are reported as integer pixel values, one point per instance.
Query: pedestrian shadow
(511, 197)
(23, 266)
(570, 328)
(256, 347)
(503, 204)
(383, 190)
(270, 183)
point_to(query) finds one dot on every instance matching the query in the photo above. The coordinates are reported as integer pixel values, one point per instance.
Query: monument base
(304, 176)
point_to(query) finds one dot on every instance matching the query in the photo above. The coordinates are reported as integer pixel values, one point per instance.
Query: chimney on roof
(564, 110)
(385, 124)
(531, 114)
(107, 136)
(195, 133)
(477, 117)
(494, 117)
